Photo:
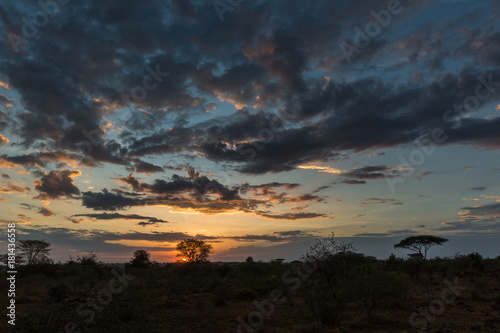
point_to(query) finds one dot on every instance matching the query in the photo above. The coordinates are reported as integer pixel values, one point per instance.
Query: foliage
(88, 260)
(323, 307)
(331, 258)
(34, 251)
(59, 291)
(140, 259)
(194, 250)
(173, 293)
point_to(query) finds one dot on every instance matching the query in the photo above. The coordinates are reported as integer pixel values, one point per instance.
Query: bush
(244, 295)
(220, 296)
(323, 306)
(87, 260)
(141, 259)
(59, 291)
(372, 286)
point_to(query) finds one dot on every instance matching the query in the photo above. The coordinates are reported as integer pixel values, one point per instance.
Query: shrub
(323, 307)
(372, 286)
(220, 296)
(59, 291)
(140, 259)
(87, 260)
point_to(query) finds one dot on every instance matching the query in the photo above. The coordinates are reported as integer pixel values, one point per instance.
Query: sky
(257, 126)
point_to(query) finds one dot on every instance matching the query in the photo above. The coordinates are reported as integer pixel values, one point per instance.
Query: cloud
(41, 160)
(118, 216)
(69, 98)
(199, 193)
(353, 182)
(3, 140)
(479, 188)
(46, 211)
(381, 201)
(57, 184)
(109, 201)
(372, 172)
(14, 188)
(488, 211)
(321, 188)
(276, 237)
(23, 217)
(471, 226)
(146, 168)
(291, 216)
(388, 233)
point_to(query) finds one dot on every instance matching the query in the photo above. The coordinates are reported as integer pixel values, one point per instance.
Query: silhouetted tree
(194, 250)
(329, 255)
(420, 244)
(35, 251)
(140, 259)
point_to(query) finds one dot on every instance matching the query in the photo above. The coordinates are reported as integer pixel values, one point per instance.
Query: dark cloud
(381, 201)
(57, 184)
(145, 167)
(488, 211)
(23, 217)
(118, 216)
(291, 216)
(372, 172)
(471, 226)
(321, 188)
(353, 182)
(28, 206)
(109, 201)
(46, 211)
(198, 186)
(276, 237)
(42, 159)
(202, 194)
(192, 62)
(479, 188)
(389, 233)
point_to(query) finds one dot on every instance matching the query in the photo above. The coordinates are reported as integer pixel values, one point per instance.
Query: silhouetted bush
(59, 291)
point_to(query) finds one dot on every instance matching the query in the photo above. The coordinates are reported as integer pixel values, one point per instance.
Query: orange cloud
(14, 188)
(3, 140)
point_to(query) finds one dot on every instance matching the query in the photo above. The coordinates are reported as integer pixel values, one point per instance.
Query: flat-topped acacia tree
(420, 244)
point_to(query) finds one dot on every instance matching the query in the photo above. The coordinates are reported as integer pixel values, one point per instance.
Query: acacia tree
(35, 251)
(420, 244)
(194, 250)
